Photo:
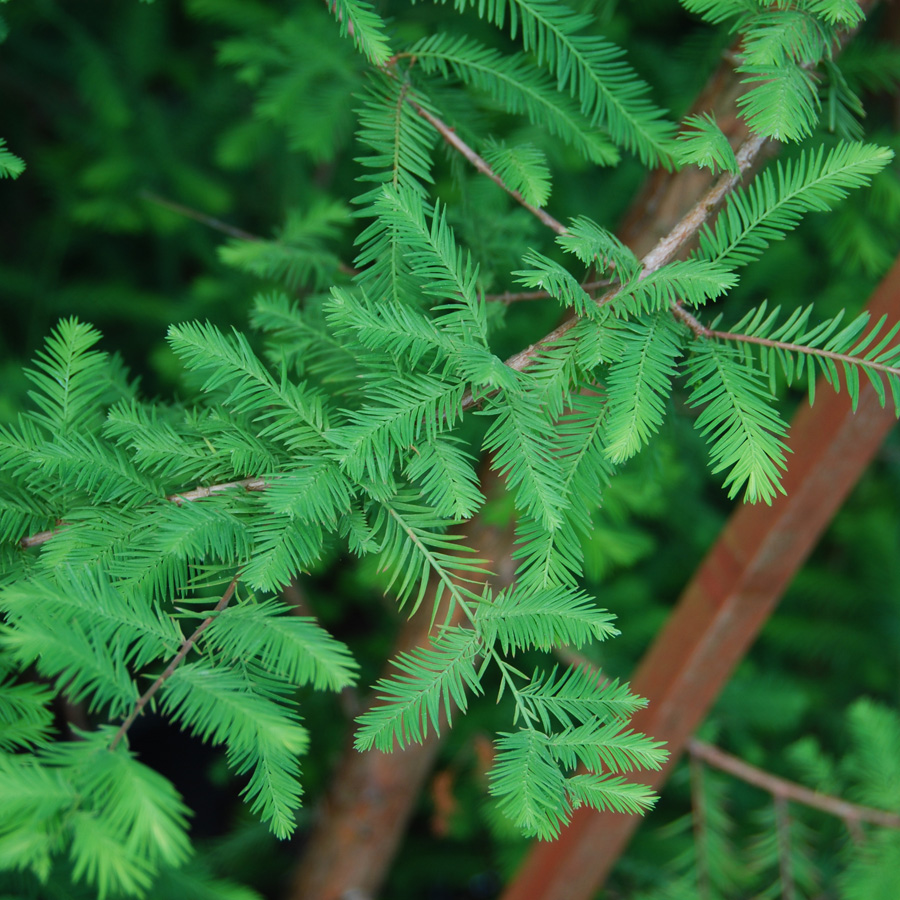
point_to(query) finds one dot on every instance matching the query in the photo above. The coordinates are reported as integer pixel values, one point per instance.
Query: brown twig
(169, 670)
(702, 331)
(790, 790)
(197, 216)
(458, 144)
(218, 224)
(201, 493)
(663, 253)
(509, 297)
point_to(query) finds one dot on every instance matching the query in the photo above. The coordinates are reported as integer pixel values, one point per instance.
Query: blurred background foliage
(186, 155)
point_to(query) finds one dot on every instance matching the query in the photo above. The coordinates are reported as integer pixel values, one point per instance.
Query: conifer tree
(146, 543)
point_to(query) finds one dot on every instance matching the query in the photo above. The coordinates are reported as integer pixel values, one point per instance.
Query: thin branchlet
(176, 661)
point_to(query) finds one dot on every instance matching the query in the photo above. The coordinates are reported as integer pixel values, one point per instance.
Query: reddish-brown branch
(169, 670)
(789, 790)
(458, 144)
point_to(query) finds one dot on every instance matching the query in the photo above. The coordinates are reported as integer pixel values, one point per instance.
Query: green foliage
(774, 204)
(522, 168)
(705, 145)
(786, 850)
(11, 166)
(154, 550)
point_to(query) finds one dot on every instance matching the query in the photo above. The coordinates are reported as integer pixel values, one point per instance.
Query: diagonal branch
(847, 358)
(200, 493)
(478, 162)
(177, 660)
(781, 788)
(663, 253)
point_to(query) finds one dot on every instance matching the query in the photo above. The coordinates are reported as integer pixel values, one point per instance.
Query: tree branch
(663, 253)
(201, 493)
(789, 790)
(169, 670)
(455, 141)
(509, 297)
(702, 331)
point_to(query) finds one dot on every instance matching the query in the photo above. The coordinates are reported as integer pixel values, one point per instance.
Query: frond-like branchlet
(294, 648)
(738, 419)
(69, 377)
(283, 547)
(119, 820)
(358, 19)
(536, 794)
(523, 453)
(293, 414)
(801, 351)
(431, 681)
(26, 718)
(299, 254)
(595, 246)
(250, 715)
(639, 383)
(439, 266)
(444, 470)
(784, 105)
(702, 143)
(591, 68)
(11, 166)
(513, 82)
(400, 142)
(414, 549)
(774, 203)
(695, 281)
(542, 619)
(522, 168)
(400, 414)
(85, 634)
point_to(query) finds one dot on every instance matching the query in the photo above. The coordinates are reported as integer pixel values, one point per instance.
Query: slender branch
(201, 493)
(41, 537)
(701, 330)
(509, 297)
(455, 141)
(169, 670)
(789, 790)
(197, 216)
(800, 348)
(218, 224)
